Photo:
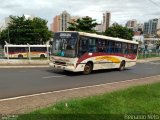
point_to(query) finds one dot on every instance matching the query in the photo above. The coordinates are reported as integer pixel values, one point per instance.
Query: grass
(141, 100)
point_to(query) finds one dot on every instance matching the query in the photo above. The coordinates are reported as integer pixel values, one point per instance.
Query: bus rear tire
(42, 56)
(87, 68)
(20, 56)
(122, 66)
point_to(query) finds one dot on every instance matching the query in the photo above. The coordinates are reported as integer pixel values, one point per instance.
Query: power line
(153, 2)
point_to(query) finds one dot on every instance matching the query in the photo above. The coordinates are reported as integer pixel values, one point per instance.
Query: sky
(121, 10)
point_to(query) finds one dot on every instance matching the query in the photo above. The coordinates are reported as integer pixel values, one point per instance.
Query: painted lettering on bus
(65, 34)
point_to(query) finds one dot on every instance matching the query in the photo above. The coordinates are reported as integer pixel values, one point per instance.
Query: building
(55, 26)
(99, 28)
(29, 17)
(4, 23)
(60, 22)
(131, 24)
(138, 37)
(106, 20)
(139, 27)
(64, 19)
(150, 27)
(74, 19)
(158, 24)
(158, 33)
(115, 24)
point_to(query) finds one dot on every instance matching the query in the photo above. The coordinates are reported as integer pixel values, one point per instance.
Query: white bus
(26, 51)
(80, 51)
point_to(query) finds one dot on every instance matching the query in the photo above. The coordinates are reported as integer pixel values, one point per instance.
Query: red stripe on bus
(86, 56)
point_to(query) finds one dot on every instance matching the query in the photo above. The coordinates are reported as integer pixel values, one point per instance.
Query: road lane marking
(58, 76)
(71, 89)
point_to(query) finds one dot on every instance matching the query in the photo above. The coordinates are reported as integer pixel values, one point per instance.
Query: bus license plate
(59, 67)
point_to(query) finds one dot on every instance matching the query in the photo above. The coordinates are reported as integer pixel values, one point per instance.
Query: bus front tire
(20, 56)
(87, 69)
(122, 66)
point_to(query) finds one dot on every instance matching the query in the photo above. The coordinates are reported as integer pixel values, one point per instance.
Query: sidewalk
(16, 63)
(148, 59)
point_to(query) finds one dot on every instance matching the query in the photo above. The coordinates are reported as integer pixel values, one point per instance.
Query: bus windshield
(64, 44)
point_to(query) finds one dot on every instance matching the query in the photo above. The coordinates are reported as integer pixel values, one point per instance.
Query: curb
(148, 60)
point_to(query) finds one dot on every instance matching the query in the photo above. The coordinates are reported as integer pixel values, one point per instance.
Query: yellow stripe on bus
(108, 58)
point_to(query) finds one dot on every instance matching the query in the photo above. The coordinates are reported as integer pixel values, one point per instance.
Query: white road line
(14, 98)
(53, 76)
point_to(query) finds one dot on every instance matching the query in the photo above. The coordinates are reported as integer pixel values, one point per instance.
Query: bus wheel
(20, 56)
(87, 69)
(42, 56)
(122, 66)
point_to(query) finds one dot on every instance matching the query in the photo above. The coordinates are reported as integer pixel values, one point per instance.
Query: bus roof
(106, 37)
(94, 35)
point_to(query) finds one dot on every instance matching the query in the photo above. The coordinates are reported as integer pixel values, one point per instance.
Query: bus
(80, 51)
(26, 51)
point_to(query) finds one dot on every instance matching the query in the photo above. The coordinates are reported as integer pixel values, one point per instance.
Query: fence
(1, 54)
(148, 54)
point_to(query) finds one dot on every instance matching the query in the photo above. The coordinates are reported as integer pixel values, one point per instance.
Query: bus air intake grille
(60, 63)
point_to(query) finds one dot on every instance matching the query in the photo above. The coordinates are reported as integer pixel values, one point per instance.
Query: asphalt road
(26, 81)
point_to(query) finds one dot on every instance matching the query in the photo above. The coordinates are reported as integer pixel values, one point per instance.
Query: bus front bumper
(61, 67)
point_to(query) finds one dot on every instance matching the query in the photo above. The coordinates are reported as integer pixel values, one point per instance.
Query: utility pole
(8, 36)
(29, 52)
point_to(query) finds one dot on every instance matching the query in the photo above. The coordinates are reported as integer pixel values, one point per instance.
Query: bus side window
(110, 47)
(92, 45)
(83, 46)
(101, 45)
(118, 47)
(92, 48)
(129, 48)
(124, 48)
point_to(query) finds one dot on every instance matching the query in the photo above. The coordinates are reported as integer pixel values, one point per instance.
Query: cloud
(121, 10)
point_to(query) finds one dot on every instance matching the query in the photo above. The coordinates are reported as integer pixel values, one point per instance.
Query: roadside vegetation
(140, 100)
(25, 31)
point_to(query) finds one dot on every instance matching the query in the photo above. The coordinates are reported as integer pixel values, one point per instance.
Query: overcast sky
(121, 10)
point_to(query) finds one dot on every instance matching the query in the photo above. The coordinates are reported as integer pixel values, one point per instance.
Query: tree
(22, 31)
(85, 24)
(120, 32)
